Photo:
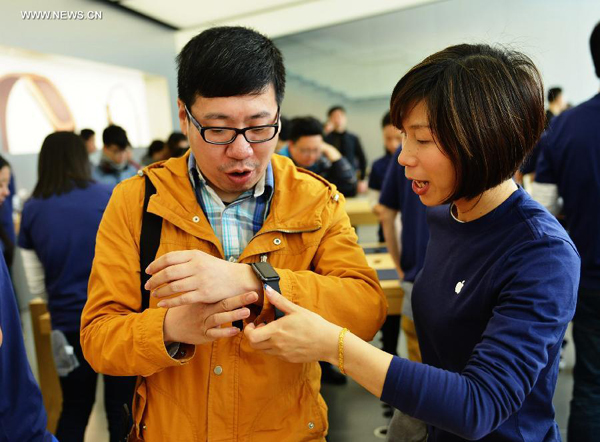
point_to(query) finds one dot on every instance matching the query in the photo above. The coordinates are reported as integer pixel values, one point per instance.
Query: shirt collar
(265, 185)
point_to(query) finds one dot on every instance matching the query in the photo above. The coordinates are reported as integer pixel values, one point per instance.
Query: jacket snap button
(311, 425)
(218, 370)
(232, 259)
(143, 427)
(196, 219)
(336, 198)
(276, 241)
(140, 173)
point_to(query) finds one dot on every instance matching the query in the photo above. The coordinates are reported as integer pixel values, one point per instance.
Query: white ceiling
(364, 59)
(360, 48)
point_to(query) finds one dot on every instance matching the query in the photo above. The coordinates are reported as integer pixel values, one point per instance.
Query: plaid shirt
(234, 224)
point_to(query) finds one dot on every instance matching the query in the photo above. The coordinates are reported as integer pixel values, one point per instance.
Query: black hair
(284, 128)
(63, 164)
(485, 109)
(227, 62)
(155, 147)
(337, 107)
(304, 127)
(386, 120)
(115, 135)
(86, 134)
(595, 48)
(554, 93)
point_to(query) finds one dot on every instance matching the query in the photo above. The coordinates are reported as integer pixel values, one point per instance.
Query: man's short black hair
(553, 94)
(595, 47)
(115, 135)
(227, 62)
(337, 107)
(386, 120)
(305, 127)
(86, 134)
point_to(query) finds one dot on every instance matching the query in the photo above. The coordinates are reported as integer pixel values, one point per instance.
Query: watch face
(266, 270)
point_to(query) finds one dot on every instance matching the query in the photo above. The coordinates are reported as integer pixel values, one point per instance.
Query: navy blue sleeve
(528, 323)
(6, 212)
(22, 413)
(24, 240)
(545, 172)
(390, 190)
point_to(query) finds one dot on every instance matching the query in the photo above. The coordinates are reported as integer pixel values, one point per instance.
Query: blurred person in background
(7, 227)
(157, 151)
(307, 149)
(178, 145)
(284, 134)
(347, 143)
(89, 139)
(57, 235)
(392, 139)
(114, 164)
(556, 105)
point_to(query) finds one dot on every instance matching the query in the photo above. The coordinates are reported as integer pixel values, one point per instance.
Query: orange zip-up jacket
(226, 391)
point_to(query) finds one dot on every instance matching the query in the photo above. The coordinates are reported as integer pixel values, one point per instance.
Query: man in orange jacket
(234, 217)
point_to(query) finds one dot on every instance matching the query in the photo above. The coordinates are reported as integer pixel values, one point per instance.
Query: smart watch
(267, 274)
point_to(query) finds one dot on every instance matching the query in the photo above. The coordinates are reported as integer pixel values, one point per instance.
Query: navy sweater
(62, 231)
(491, 307)
(570, 158)
(22, 413)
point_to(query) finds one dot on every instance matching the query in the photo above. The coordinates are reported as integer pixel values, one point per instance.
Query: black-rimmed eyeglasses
(227, 135)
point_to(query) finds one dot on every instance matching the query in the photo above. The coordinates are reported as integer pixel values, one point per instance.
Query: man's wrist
(251, 283)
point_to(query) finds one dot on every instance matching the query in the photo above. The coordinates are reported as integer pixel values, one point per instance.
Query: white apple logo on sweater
(459, 286)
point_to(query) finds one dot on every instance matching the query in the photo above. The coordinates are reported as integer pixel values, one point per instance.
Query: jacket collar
(297, 204)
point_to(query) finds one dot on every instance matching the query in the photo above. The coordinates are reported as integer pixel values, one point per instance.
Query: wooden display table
(388, 279)
(360, 213)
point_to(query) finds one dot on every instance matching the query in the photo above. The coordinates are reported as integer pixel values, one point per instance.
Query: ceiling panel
(193, 13)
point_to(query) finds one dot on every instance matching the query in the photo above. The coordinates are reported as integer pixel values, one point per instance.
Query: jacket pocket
(296, 414)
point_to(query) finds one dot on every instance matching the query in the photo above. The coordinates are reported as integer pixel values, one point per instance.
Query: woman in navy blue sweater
(499, 283)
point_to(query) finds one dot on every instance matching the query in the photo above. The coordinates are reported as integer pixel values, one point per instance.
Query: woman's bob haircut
(485, 107)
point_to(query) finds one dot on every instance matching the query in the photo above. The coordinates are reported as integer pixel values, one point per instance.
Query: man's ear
(183, 118)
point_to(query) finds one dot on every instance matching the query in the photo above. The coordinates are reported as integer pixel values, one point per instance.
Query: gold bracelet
(341, 350)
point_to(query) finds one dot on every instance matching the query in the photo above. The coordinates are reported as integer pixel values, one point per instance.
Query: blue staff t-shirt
(397, 194)
(22, 413)
(62, 231)
(491, 307)
(570, 158)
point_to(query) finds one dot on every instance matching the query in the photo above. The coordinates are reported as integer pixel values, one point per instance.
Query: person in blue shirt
(307, 149)
(499, 283)
(114, 166)
(7, 226)
(22, 414)
(58, 235)
(392, 138)
(568, 167)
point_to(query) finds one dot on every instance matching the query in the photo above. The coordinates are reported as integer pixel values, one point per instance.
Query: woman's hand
(300, 336)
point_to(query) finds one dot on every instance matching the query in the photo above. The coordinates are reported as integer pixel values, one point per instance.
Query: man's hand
(198, 277)
(331, 152)
(201, 323)
(363, 186)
